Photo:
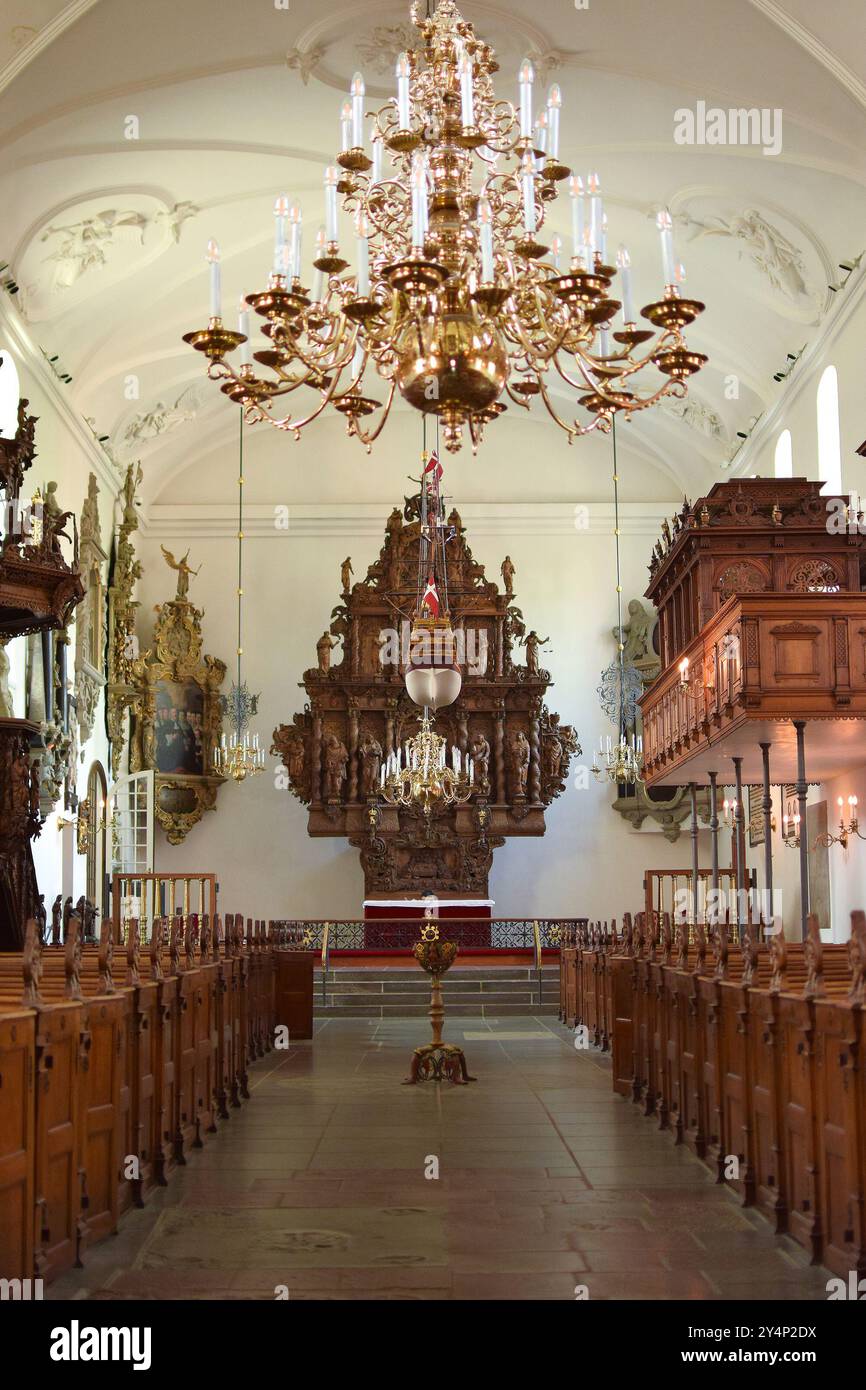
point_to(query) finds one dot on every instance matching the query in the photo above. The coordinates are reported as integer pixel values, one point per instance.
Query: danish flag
(434, 467)
(430, 598)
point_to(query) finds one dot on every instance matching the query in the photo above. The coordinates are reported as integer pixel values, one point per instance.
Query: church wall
(589, 862)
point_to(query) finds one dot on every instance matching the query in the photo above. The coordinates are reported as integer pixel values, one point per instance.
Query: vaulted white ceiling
(105, 234)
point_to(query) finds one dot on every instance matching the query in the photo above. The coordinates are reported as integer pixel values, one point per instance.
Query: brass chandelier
(419, 775)
(458, 299)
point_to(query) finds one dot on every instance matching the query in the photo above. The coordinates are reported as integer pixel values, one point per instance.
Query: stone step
(422, 987)
(486, 1011)
(467, 973)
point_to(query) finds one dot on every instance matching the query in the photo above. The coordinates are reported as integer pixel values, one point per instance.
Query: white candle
(528, 180)
(319, 275)
(575, 192)
(213, 260)
(623, 260)
(554, 106)
(603, 245)
(679, 273)
(665, 224)
(541, 132)
(485, 221)
(525, 78)
(378, 151)
(358, 90)
(281, 212)
(345, 126)
(604, 343)
(403, 71)
(358, 364)
(555, 249)
(596, 211)
(419, 200)
(331, 177)
(295, 226)
(361, 234)
(244, 327)
(467, 96)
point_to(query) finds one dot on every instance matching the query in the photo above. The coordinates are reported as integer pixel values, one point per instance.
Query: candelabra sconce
(789, 823)
(845, 831)
(689, 686)
(729, 813)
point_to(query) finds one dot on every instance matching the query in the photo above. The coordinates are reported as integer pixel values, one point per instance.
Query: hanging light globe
(433, 686)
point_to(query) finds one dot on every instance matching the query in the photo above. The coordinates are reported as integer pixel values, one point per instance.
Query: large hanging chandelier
(459, 296)
(239, 756)
(418, 774)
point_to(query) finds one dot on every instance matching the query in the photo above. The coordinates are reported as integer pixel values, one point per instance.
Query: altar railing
(400, 934)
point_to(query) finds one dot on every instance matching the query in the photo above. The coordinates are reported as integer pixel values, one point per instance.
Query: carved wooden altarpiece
(358, 712)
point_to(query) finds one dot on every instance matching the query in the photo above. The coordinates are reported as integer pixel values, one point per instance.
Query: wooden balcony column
(714, 838)
(739, 840)
(802, 788)
(693, 792)
(767, 808)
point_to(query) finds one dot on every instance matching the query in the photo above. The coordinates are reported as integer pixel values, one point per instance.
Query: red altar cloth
(380, 911)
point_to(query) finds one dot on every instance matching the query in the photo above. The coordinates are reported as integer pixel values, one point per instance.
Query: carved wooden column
(802, 789)
(353, 748)
(767, 809)
(714, 842)
(316, 761)
(499, 752)
(389, 728)
(534, 752)
(500, 645)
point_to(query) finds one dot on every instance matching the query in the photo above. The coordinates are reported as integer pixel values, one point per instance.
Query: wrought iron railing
(400, 934)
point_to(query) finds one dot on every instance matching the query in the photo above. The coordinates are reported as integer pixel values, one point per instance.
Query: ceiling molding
(14, 330)
(203, 521)
(46, 35)
(814, 47)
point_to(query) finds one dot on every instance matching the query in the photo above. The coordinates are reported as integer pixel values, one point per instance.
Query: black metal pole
(714, 842)
(802, 788)
(740, 842)
(693, 792)
(767, 808)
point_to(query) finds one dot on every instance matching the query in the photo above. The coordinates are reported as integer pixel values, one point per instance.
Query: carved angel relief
(358, 712)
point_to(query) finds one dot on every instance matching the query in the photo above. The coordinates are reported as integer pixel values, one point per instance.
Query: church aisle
(547, 1181)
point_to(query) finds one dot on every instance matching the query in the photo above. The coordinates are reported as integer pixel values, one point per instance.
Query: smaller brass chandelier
(621, 761)
(239, 756)
(418, 774)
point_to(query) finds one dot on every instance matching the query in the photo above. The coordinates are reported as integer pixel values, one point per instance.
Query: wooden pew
(18, 1027)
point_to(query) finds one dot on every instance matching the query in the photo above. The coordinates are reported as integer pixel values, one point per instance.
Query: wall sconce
(793, 841)
(729, 813)
(684, 673)
(845, 831)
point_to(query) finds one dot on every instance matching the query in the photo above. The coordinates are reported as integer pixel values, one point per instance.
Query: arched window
(829, 445)
(97, 818)
(784, 458)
